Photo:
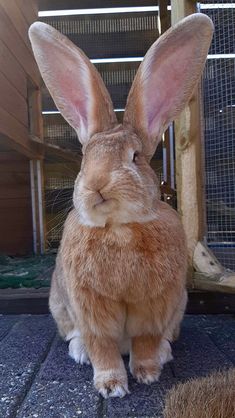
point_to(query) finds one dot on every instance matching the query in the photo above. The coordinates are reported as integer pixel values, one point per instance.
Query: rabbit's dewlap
(119, 282)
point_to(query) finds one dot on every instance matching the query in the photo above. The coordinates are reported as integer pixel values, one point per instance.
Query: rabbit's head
(116, 182)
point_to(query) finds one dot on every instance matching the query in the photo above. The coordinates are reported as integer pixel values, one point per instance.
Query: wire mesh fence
(219, 116)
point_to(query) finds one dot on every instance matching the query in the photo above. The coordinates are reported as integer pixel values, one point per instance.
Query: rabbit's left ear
(73, 81)
(166, 78)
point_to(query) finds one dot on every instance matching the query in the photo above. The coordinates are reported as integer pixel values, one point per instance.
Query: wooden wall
(18, 72)
(15, 204)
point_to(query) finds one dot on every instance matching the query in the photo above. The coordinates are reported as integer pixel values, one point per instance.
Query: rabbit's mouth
(99, 200)
(104, 205)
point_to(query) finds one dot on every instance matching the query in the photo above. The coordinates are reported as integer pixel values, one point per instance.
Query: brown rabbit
(119, 281)
(212, 396)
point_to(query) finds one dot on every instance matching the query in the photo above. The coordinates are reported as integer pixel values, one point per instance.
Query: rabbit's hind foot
(77, 349)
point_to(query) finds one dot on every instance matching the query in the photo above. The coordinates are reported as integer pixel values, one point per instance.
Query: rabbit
(207, 396)
(119, 283)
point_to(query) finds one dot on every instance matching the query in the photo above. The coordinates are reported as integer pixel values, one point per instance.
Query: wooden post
(189, 152)
(164, 20)
(38, 205)
(210, 274)
(164, 23)
(35, 111)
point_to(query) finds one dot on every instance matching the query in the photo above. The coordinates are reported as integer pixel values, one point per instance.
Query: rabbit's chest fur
(129, 262)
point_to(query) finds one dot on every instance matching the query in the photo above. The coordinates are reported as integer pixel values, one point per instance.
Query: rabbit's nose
(96, 182)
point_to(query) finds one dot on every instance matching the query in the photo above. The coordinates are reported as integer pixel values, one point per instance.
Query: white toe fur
(77, 351)
(111, 383)
(116, 392)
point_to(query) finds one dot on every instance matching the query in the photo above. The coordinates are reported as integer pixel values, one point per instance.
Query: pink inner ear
(81, 105)
(166, 86)
(74, 98)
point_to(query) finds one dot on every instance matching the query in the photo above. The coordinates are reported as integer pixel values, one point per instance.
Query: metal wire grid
(58, 132)
(90, 25)
(54, 183)
(113, 35)
(219, 113)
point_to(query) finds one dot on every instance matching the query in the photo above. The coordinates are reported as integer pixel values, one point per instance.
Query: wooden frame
(38, 205)
(210, 274)
(35, 301)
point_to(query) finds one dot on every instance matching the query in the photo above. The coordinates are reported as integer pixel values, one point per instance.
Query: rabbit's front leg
(149, 349)
(102, 322)
(145, 364)
(110, 377)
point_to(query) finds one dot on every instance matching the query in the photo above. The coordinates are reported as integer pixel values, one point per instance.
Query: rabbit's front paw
(146, 371)
(110, 384)
(77, 351)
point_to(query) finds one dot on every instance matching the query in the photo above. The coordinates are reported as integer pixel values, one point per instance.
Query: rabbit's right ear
(166, 78)
(74, 83)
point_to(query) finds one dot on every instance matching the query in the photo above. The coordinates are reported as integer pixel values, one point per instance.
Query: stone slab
(62, 388)
(21, 353)
(39, 380)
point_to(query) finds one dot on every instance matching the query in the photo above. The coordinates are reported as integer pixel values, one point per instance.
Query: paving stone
(21, 353)
(59, 366)
(143, 400)
(62, 388)
(56, 399)
(209, 322)
(221, 331)
(195, 354)
(219, 328)
(6, 323)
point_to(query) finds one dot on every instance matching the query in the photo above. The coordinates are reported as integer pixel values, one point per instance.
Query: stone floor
(38, 379)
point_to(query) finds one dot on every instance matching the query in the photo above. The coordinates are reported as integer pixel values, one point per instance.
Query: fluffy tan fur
(116, 287)
(208, 397)
(120, 272)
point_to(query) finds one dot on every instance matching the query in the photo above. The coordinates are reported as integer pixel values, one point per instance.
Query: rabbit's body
(119, 281)
(131, 266)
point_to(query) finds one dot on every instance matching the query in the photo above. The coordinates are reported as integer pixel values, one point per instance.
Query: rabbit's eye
(135, 156)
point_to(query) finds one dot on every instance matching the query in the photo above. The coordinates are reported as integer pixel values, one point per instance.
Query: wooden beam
(38, 205)
(205, 262)
(164, 22)
(181, 9)
(35, 301)
(210, 274)
(57, 153)
(189, 164)
(29, 148)
(91, 4)
(35, 111)
(224, 284)
(16, 136)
